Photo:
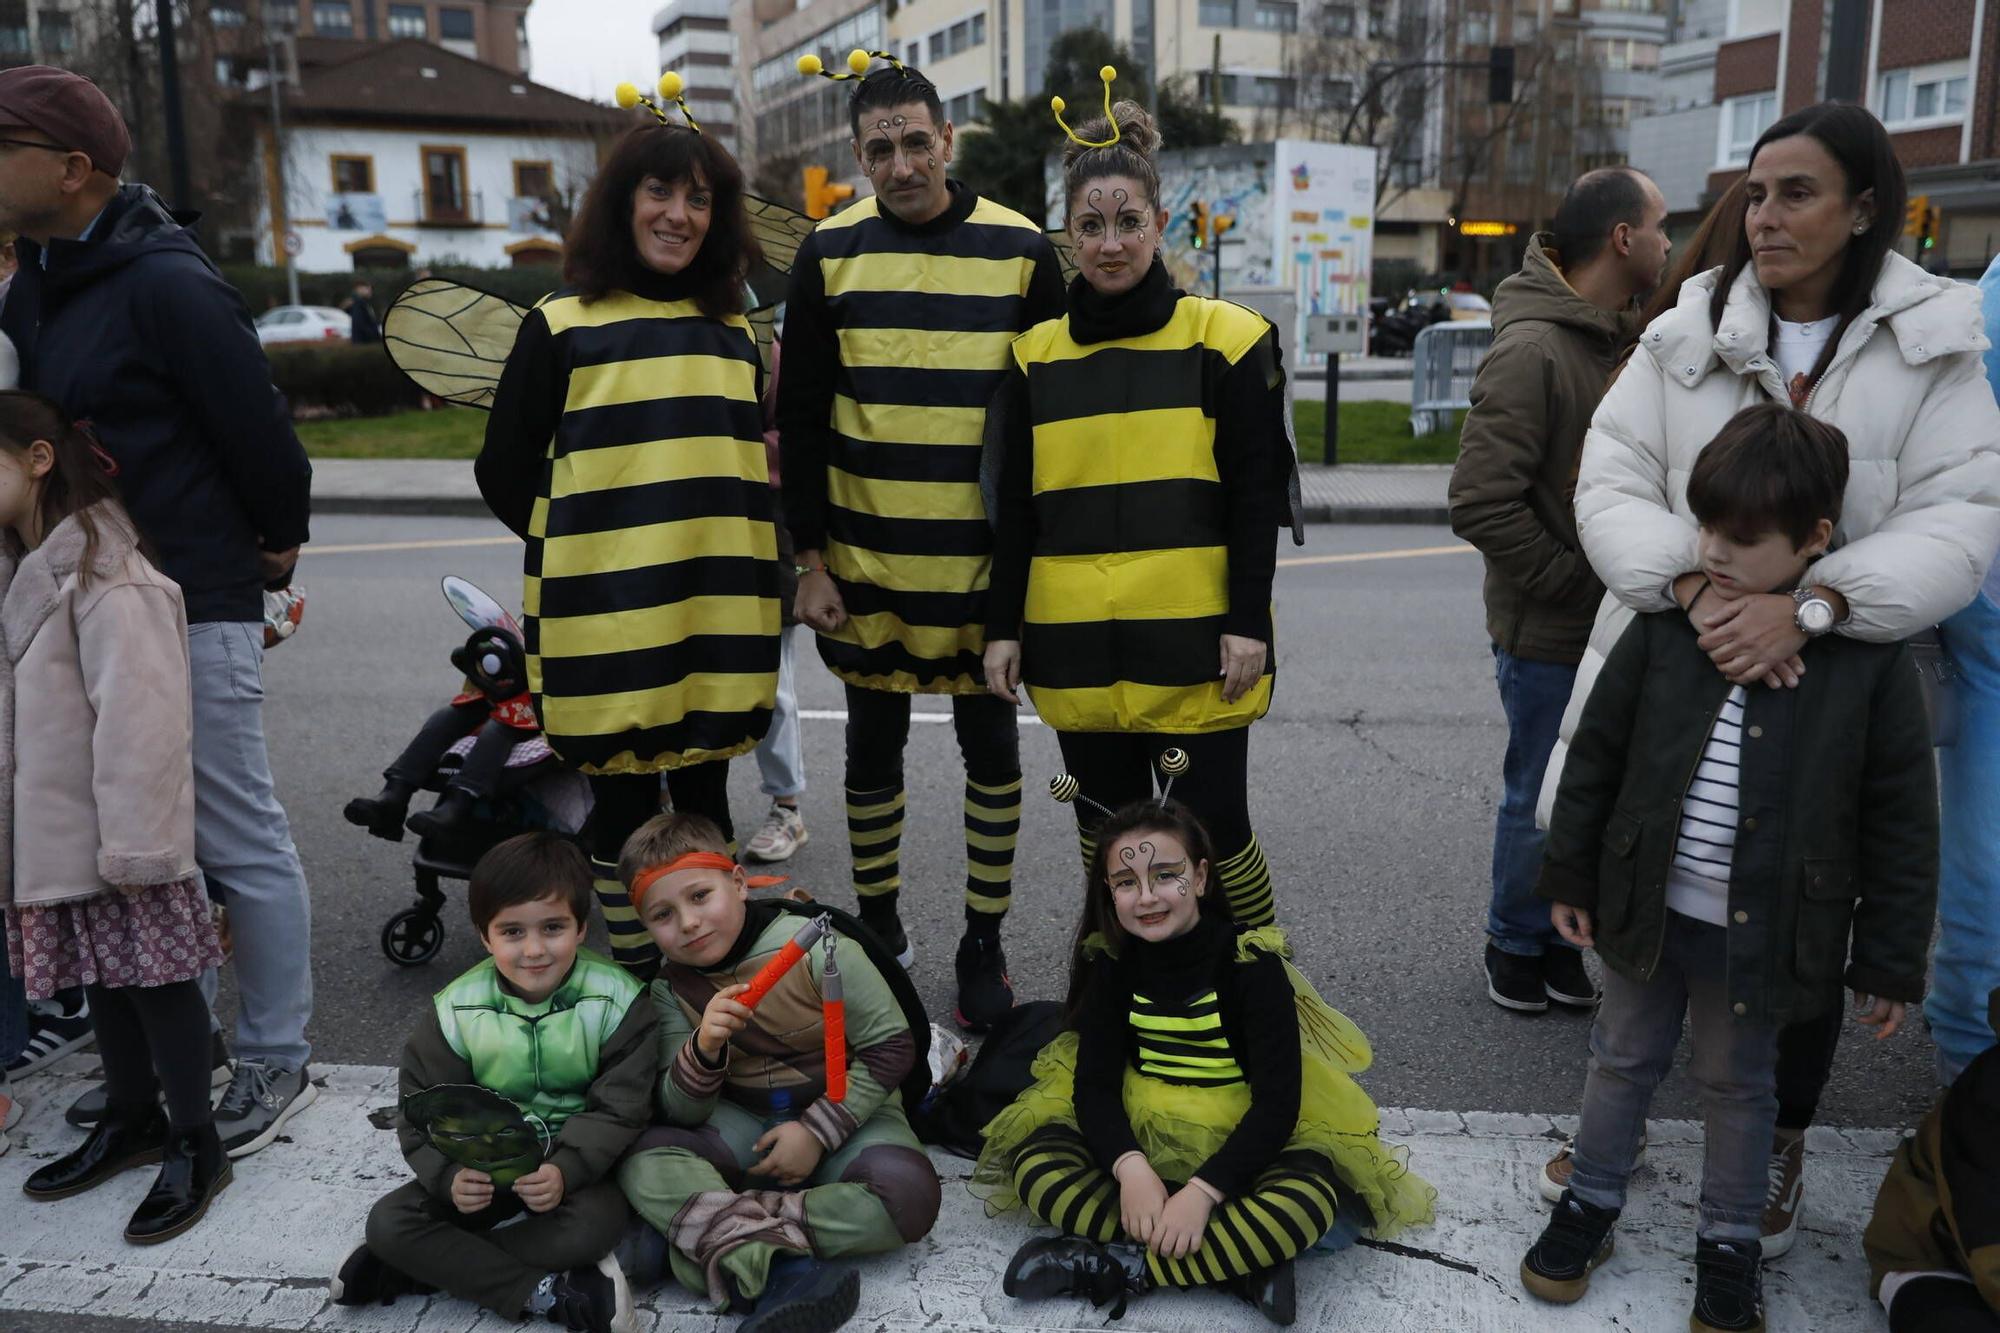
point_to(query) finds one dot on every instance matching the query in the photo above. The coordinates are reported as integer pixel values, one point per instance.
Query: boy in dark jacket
(1718, 846)
(567, 1036)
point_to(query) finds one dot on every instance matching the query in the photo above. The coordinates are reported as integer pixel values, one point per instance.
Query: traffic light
(821, 197)
(1221, 225)
(1916, 214)
(1198, 225)
(1500, 74)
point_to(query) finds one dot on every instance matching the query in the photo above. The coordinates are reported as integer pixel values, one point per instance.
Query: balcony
(443, 209)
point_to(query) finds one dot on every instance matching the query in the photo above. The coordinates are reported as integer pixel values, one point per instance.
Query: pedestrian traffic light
(821, 197)
(1198, 225)
(1915, 214)
(1500, 74)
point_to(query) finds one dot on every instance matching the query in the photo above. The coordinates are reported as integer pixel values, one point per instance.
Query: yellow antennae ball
(670, 85)
(1108, 74)
(857, 60)
(809, 64)
(626, 95)
(1057, 105)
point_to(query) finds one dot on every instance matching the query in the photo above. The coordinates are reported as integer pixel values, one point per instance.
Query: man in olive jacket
(1560, 324)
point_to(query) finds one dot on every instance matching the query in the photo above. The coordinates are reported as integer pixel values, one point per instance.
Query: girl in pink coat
(97, 790)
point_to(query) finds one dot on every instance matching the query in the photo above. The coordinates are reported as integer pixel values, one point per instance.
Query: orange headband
(693, 861)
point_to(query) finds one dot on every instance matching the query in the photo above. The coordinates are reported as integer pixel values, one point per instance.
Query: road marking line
(840, 715)
(438, 544)
(1405, 553)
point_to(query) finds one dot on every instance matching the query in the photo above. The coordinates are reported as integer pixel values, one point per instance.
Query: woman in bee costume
(626, 447)
(1142, 461)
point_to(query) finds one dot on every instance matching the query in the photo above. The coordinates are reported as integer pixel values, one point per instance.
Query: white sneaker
(783, 832)
(624, 1318)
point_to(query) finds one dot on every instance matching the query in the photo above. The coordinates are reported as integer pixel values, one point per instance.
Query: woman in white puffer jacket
(1813, 307)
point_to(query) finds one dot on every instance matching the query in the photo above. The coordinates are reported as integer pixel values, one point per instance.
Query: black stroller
(486, 757)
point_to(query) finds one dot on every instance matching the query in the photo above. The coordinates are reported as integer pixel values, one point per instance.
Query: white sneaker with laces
(783, 833)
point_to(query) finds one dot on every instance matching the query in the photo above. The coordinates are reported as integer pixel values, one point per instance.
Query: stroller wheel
(412, 936)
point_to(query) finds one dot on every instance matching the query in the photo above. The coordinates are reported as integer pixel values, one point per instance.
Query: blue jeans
(1967, 965)
(243, 844)
(780, 755)
(1733, 1062)
(1533, 696)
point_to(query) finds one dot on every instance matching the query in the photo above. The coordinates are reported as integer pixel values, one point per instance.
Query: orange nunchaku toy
(833, 1005)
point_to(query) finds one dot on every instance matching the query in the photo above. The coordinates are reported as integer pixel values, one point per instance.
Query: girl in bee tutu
(1195, 1123)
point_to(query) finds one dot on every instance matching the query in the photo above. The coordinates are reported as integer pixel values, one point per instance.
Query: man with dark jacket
(1560, 325)
(363, 325)
(122, 319)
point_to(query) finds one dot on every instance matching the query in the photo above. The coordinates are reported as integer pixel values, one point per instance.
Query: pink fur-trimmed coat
(99, 760)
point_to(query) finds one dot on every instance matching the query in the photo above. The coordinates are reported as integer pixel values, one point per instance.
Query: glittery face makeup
(1117, 232)
(903, 153)
(1156, 887)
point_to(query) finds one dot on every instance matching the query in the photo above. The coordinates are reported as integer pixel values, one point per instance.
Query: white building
(696, 42)
(406, 154)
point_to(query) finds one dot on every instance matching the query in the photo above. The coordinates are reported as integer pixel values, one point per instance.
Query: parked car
(303, 324)
(1469, 305)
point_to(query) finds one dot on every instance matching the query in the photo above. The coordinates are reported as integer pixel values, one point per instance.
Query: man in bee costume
(897, 328)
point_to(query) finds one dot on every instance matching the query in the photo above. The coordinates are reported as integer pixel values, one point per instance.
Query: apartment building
(493, 32)
(1930, 69)
(697, 42)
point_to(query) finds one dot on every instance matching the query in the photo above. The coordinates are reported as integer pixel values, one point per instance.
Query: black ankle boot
(193, 1170)
(126, 1137)
(1274, 1291)
(382, 814)
(1072, 1266)
(452, 812)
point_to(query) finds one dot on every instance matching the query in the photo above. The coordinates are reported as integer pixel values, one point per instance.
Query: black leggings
(154, 1040)
(1805, 1062)
(485, 764)
(1116, 769)
(620, 803)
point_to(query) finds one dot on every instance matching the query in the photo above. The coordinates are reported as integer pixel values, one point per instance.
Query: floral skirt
(142, 937)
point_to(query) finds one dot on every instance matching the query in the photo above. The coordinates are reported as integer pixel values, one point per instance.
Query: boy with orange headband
(751, 1109)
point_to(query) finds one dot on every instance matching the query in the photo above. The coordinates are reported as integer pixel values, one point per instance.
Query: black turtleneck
(528, 403)
(1253, 458)
(812, 363)
(1259, 1016)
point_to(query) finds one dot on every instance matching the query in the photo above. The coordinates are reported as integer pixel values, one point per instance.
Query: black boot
(193, 1170)
(382, 814)
(1274, 1291)
(1073, 1266)
(365, 1280)
(126, 1137)
(452, 812)
(984, 992)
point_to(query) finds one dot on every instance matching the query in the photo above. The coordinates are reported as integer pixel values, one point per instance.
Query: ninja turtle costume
(583, 1063)
(874, 1189)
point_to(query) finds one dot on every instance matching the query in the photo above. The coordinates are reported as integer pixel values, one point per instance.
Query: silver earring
(1860, 230)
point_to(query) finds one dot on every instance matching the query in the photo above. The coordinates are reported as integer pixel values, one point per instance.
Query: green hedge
(263, 287)
(340, 379)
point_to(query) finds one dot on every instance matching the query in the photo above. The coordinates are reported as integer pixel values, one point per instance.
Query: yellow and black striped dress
(1186, 1094)
(1128, 588)
(922, 317)
(651, 595)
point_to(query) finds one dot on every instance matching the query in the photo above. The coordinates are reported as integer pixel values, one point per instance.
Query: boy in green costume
(566, 1036)
(743, 1094)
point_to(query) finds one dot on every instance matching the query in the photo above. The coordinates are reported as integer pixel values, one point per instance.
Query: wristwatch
(1814, 615)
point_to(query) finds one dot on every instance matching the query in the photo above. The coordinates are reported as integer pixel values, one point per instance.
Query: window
(408, 21)
(534, 180)
(1743, 119)
(960, 34)
(1207, 85)
(455, 25)
(353, 174)
(1524, 30)
(979, 30)
(915, 55)
(1339, 20)
(58, 32)
(937, 47)
(227, 15)
(1218, 13)
(1477, 29)
(1521, 162)
(444, 185)
(1927, 93)
(967, 107)
(281, 13)
(1339, 93)
(333, 18)
(1277, 17)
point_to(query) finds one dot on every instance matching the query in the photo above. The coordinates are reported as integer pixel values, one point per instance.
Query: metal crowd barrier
(1441, 370)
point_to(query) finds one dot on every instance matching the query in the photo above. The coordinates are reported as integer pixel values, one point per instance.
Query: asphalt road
(1374, 783)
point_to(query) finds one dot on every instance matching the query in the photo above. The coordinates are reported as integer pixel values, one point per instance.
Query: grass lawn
(1369, 433)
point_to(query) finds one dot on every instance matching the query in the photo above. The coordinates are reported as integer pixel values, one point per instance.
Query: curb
(453, 506)
(1379, 514)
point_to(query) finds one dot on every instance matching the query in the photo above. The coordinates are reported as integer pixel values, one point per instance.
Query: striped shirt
(1698, 881)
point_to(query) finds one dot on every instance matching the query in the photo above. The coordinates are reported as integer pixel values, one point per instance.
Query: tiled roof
(419, 81)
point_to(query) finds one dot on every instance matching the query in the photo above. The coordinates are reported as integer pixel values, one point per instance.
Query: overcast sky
(587, 47)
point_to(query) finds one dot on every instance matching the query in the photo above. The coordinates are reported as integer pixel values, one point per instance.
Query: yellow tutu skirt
(1181, 1127)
